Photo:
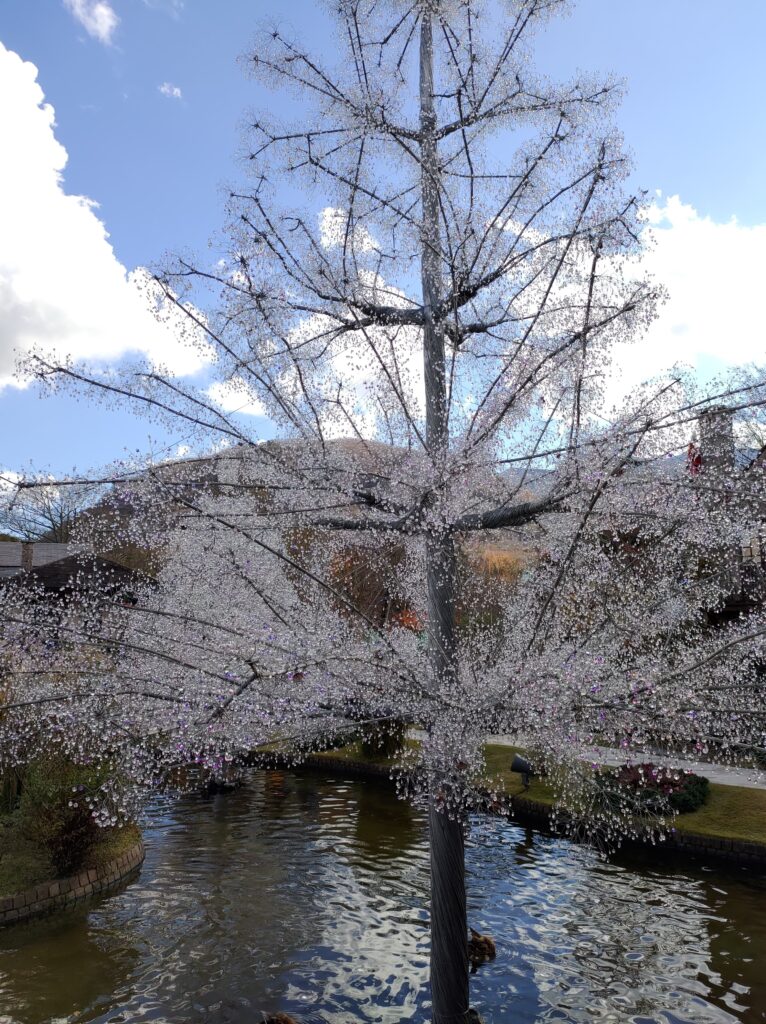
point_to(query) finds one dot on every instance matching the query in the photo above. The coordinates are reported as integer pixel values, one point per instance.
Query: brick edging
(65, 892)
(526, 811)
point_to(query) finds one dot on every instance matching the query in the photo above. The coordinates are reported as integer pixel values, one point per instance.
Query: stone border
(734, 851)
(525, 811)
(65, 892)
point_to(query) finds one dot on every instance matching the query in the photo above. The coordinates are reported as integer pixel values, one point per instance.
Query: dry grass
(356, 752)
(505, 564)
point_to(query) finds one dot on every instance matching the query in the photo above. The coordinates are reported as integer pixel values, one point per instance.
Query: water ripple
(310, 895)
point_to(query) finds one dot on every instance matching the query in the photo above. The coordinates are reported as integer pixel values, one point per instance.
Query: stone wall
(65, 892)
(735, 851)
(677, 841)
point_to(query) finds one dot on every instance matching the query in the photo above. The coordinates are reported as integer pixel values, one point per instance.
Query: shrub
(691, 795)
(10, 790)
(656, 787)
(55, 810)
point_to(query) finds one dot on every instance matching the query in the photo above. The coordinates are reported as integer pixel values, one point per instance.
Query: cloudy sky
(119, 130)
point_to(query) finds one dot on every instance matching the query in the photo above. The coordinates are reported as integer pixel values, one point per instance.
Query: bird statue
(481, 948)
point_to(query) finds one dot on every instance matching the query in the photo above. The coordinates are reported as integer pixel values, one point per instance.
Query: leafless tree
(44, 511)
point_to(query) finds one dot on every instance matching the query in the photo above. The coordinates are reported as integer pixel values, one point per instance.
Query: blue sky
(148, 97)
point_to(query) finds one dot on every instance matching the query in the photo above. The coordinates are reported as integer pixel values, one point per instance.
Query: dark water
(309, 895)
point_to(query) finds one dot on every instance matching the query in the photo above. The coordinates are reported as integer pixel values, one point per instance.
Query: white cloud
(170, 90)
(173, 7)
(9, 478)
(333, 226)
(97, 17)
(61, 285)
(348, 389)
(236, 396)
(714, 276)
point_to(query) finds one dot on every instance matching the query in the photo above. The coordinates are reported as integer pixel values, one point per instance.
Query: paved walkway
(718, 773)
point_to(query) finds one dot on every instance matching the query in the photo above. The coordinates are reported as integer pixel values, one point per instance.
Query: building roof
(16, 555)
(82, 573)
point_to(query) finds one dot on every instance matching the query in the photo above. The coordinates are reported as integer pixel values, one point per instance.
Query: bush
(691, 795)
(10, 790)
(655, 787)
(55, 810)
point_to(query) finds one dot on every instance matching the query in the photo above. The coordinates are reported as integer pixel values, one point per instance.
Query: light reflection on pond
(309, 895)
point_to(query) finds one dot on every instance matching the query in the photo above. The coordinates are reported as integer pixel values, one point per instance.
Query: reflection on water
(589, 941)
(310, 895)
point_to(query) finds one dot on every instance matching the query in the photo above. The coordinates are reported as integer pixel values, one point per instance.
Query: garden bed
(29, 888)
(52, 848)
(25, 864)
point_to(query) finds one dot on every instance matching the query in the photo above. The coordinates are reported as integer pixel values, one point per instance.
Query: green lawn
(356, 752)
(732, 812)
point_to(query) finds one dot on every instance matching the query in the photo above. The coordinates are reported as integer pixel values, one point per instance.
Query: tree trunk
(449, 958)
(449, 931)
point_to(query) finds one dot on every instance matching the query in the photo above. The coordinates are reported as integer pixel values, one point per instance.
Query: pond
(309, 895)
